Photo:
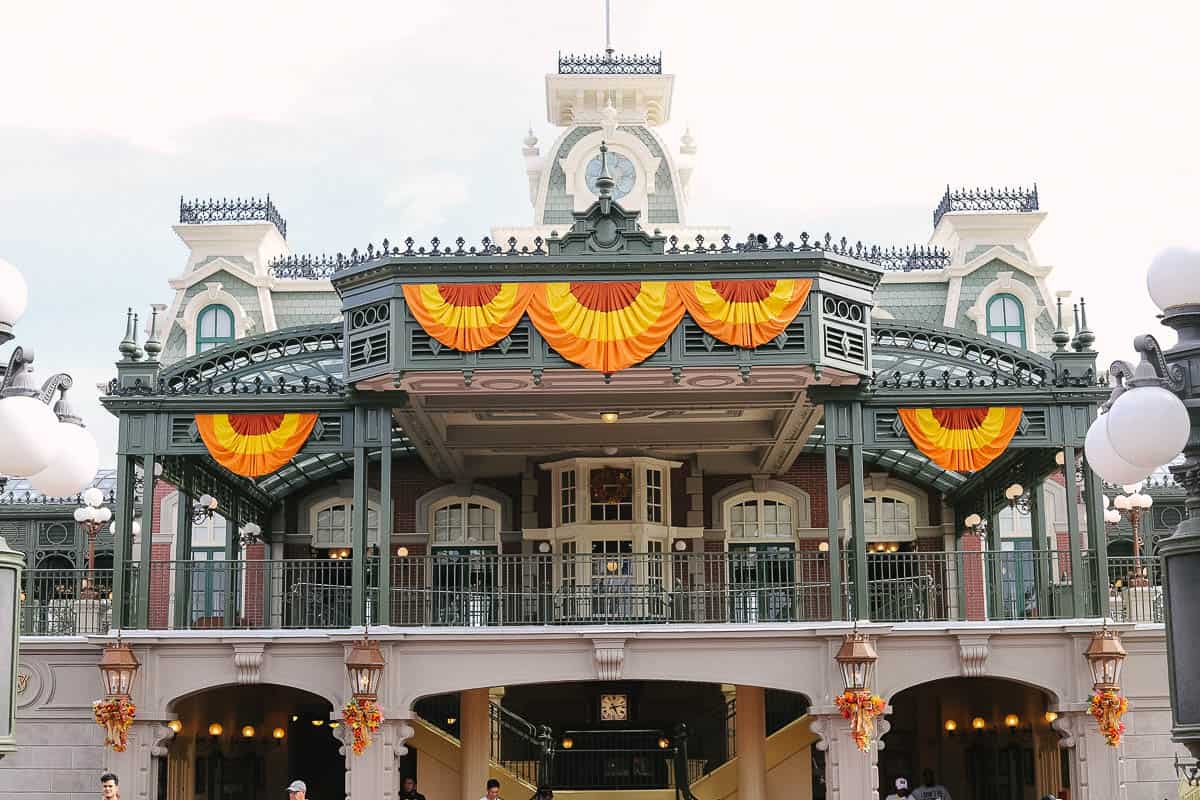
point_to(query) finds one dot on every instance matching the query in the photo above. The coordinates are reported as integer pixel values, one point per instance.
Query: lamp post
(93, 515)
(1153, 414)
(11, 563)
(1135, 504)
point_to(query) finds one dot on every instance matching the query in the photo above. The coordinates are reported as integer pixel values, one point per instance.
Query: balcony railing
(480, 589)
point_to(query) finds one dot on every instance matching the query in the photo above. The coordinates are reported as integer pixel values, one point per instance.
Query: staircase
(789, 767)
(440, 763)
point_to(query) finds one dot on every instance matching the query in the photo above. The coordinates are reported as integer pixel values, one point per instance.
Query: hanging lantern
(116, 712)
(857, 659)
(364, 667)
(118, 668)
(1106, 656)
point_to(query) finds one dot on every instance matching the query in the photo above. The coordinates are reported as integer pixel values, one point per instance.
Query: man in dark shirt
(409, 792)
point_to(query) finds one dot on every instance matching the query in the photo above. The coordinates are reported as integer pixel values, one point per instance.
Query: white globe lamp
(1105, 461)
(73, 468)
(1174, 278)
(29, 436)
(1148, 425)
(14, 298)
(93, 496)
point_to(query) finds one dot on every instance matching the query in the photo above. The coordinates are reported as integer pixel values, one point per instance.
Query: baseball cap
(297, 786)
(901, 783)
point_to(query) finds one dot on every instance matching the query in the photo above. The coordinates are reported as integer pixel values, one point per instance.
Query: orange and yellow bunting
(606, 326)
(253, 445)
(745, 313)
(961, 439)
(468, 317)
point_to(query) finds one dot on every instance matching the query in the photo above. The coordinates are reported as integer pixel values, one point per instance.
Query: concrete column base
(374, 775)
(850, 774)
(1097, 770)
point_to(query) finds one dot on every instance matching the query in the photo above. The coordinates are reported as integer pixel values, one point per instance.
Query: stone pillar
(476, 741)
(374, 774)
(1097, 770)
(751, 742)
(137, 766)
(850, 774)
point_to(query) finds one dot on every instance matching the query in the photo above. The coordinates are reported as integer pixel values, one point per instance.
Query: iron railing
(609, 63)
(613, 760)
(522, 748)
(251, 209)
(1135, 588)
(461, 588)
(990, 199)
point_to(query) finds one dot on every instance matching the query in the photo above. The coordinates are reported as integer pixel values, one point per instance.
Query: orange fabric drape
(744, 313)
(253, 445)
(468, 317)
(606, 326)
(961, 439)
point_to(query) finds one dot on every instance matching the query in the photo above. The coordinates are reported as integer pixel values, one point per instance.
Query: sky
(394, 119)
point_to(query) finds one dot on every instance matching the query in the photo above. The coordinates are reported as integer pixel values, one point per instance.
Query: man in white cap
(901, 790)
(297, 790)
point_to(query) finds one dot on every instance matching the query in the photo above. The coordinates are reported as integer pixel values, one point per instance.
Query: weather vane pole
(607, 29)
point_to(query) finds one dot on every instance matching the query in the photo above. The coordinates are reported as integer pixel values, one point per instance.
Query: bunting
(253, 445)
(606, 326)
(961, 439)
(468, 317)
(744, 313)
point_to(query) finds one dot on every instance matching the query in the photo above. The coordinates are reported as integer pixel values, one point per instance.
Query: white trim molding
(213, 294)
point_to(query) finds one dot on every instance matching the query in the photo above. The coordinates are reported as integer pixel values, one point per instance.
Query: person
(901, 789)
(109, 787)
(297, 790)
(493, 790)
(409, 792)
(930, 789)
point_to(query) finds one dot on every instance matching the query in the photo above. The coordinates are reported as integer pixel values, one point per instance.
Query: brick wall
(973, 577)
(807, 473)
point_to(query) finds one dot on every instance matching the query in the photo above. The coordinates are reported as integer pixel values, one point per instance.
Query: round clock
(622, 170)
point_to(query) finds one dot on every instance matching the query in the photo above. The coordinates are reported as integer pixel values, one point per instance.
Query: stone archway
(982, 738)
(248, 742)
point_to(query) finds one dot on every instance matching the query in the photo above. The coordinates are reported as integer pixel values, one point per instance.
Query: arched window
(333, 523)
(887, 518)
(214, 327)
(760, 515)
(461, 521)
(1006, 319)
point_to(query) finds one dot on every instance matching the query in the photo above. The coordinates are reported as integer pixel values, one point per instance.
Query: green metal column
(833, 523)
(1079, 590)
(183, 552)
(122, 539)
(231, 566)
(358, 531)
(1041, 557)
(146, 557)
(383, 604)
(991, 558)
(1093, 491)
(857, 525)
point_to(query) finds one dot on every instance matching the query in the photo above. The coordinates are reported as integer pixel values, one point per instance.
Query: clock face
(623, 173)
(614, 707)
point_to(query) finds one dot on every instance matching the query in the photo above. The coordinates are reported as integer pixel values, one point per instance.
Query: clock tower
(622, 101)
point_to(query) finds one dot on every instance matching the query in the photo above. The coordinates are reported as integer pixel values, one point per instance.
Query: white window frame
(465, 502)
(897, 497)
(759, 498)
(327, 505)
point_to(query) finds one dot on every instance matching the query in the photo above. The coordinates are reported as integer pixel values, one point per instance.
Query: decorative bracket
(610, 658)
(1152, 370)
(18, 364)
(973, 654)
(247, 661)
(53, 384)
(161, 741)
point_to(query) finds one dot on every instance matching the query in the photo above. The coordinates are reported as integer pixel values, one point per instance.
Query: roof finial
(608, 48)
(128, 346)
(153, 345)
(1060, 337)
(1085, 337)
(604, 181)
(1075, 345)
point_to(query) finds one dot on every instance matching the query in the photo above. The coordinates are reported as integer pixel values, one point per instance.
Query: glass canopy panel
(910, 464)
